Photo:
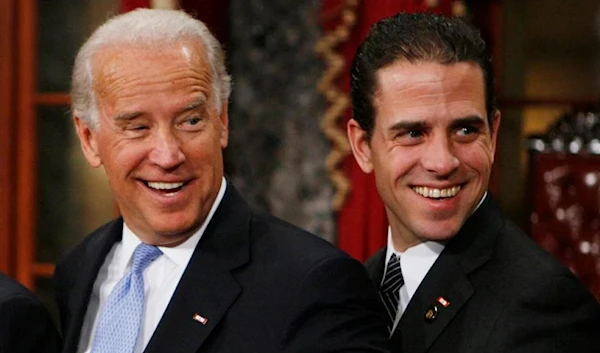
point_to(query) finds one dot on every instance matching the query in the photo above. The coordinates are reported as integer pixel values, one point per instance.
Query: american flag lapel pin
(201, 319)
(443, 301)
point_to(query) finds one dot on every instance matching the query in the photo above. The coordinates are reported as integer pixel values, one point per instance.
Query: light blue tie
(121, 315)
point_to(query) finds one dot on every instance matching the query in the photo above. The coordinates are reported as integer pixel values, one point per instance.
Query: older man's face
(431, 150)
(159, 137)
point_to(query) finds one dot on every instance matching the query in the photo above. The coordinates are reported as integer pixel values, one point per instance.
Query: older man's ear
(224, 126)
(89, 145)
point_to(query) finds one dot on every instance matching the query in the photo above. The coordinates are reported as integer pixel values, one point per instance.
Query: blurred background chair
(563, 193)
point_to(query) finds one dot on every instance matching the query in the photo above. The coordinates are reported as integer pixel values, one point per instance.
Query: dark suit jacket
(506, 294)
(25, 325)
(263, 285)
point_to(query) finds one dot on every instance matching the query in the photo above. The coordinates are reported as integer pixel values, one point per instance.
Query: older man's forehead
(114, 63)
(191, 49)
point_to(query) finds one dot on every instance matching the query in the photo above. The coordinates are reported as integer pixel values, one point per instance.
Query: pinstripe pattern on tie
(390, 289)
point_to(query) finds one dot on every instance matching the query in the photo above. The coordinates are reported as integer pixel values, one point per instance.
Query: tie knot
(143, 255)
(393, 275)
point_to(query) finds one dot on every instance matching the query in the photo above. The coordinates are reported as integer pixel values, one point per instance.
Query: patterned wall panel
(277, 150)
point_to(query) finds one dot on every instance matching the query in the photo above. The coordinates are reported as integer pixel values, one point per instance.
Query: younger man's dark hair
(415, 37)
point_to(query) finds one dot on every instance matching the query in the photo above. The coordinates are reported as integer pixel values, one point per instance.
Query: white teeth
(164, 186)
(436, 193)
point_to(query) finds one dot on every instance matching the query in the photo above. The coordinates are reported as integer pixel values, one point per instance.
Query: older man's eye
(193, 121)
(135, 127)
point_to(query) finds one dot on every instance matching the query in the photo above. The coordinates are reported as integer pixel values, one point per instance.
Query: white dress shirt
(160, 280)
(415, 262)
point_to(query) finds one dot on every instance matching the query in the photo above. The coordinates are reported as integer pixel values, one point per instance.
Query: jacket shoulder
(517, 250)
(10, 288)
(78, 254)
(279, 240)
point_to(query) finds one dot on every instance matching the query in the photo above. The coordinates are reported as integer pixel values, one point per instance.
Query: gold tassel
(337, 100)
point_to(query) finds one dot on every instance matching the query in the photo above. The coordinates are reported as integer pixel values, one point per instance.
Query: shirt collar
(424, 249)
(480, 202)
(415, 261)
(182, 253)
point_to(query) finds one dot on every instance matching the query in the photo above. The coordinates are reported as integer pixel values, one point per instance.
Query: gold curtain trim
(337, 100)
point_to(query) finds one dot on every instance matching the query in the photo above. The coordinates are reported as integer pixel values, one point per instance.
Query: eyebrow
(132, 115)
(195, 104)
(416, 125)
(408, 125)
(468, 120)
(127, 116)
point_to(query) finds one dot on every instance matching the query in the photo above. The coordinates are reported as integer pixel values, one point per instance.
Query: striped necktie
(390, 289)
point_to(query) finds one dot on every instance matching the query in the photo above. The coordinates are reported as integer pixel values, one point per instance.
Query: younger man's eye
(467, 130)
(467, 134)
(414, 133)
(410, 137)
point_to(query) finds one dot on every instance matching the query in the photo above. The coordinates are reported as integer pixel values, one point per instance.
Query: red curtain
(128, 5)
(362, 223)
(212, 12)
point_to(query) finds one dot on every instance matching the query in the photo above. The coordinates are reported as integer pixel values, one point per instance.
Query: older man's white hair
(150, 27)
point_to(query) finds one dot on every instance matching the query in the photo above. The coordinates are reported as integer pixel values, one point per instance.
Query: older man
(456, 276)
(190, 267)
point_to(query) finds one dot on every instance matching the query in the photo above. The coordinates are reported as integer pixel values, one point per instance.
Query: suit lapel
(92, 259)
(448, 278)
(207, 287)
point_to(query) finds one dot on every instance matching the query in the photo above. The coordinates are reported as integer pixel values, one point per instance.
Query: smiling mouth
(167, 188)
(434, 193)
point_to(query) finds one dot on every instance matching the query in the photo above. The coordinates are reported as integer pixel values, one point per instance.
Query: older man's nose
(166, 152)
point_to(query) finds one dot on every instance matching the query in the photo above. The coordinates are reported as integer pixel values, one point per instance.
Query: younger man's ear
(360, 144)
(494, 133)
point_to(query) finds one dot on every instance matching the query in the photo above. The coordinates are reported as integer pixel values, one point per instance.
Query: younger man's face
(431, 148)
